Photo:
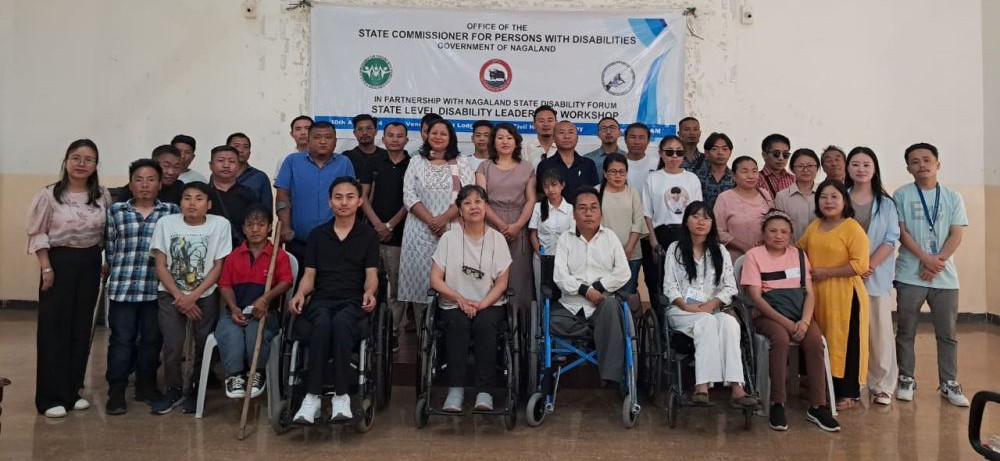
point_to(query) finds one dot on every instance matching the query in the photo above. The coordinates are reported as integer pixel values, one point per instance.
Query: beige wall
(991, 122)
(130, 78)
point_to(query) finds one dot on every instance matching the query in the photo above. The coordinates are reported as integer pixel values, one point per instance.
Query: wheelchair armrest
(665, 301)
(547, 291)
(979, 402)
(431, 293)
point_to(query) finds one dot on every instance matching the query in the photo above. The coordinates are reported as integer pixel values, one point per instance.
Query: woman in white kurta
(698, 281)
(430, 187)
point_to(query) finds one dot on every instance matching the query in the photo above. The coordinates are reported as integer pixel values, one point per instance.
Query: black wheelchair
(372, 361)
(431, 364)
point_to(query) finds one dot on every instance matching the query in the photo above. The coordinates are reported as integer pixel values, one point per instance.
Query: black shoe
(146, 391)
(171, 399)
(116, 401)
(776, 418)
(190, 400)
(822, 417)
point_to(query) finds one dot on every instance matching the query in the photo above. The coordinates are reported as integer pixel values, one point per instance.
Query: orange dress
(845, 244)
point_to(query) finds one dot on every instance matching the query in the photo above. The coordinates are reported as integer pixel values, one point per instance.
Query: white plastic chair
(211, 343)
(763, 345)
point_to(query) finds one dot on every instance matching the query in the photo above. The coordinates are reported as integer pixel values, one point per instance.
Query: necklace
(476, 272)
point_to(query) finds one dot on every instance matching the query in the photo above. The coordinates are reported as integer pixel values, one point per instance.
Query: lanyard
(937, 202)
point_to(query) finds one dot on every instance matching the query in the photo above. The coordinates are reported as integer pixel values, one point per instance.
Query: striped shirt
(128, 237)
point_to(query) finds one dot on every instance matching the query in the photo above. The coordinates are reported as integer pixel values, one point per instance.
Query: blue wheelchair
(552, 355)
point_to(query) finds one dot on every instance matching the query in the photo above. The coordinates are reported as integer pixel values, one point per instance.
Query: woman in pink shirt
(65, 229)
(777, 278)
(738, 211)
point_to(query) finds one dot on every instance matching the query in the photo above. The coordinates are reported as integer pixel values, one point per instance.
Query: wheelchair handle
(979, 402)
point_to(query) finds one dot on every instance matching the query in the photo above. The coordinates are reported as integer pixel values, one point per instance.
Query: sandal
(700, 398)
(845, 404)
(747, 401)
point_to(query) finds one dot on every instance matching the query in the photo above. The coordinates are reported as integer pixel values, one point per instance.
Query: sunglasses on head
(673, 153)
(780, 154)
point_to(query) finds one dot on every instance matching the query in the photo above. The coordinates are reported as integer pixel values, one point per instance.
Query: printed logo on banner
(495, 75)
(375, 71)
(618, 78)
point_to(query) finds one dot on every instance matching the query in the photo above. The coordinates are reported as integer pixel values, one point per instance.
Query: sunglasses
(471, 271)
(673, 153)
(780, 154)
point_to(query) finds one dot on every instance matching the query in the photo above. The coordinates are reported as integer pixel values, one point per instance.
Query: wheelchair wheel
(383, 360)
(422, 413)
(629, 414)
(651, 359)
(367, 417)
(747, 418)
(277, 401)
(535, 410)
(531, 351)
(510, 419)
(673, 404)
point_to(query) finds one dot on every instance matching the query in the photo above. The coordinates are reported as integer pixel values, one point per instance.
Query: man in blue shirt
(302, 183)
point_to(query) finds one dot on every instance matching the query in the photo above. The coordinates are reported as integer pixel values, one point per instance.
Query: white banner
(399, 64)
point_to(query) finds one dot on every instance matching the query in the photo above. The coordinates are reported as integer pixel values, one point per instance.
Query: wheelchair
(552, 355)
(667, 357)
(372, 361)
(431, 364)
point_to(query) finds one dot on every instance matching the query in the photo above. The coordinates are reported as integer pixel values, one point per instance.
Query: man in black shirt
(362, 156)
(341, 274)
(169, 159)
(385, 211)
(575, 169)
(232, 199)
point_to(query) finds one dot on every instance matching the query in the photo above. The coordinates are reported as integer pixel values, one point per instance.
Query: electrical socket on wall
(746, 14)
(250, 9)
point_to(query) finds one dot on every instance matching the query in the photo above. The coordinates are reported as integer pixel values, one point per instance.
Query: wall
(991, 123)
(882, 74)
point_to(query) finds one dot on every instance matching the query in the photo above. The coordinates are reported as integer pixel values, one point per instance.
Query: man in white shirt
(590, 266)
(544, 144)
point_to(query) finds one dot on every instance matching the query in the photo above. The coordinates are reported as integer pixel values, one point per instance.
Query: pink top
(738, 219)
(73, 223)
(758, 261)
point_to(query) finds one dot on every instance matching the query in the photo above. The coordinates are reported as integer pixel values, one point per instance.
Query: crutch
(260, 331)
(102, 298)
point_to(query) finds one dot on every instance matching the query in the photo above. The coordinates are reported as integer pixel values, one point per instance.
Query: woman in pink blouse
(739, 211)
(65, 228)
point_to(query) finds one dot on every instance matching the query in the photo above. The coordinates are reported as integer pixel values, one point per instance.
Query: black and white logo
(618, 78)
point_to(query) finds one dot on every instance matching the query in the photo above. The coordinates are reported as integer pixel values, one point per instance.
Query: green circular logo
(375, 71)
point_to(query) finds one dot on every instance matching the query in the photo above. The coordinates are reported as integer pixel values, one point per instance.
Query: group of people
(818, 260)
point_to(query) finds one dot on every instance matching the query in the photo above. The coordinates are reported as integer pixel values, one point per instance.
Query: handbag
(789, 301)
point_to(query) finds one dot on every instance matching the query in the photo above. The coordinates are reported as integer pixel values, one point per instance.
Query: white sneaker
(453, 402)
(341, 408)
(484, 401)
(309, 410)
(904, 390)
(56, 412)
(952, 391)
(81, 404)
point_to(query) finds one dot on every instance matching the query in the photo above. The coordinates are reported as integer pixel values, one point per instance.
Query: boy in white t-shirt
(189, 249)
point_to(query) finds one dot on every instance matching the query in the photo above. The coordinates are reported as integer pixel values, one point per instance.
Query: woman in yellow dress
(837, 247)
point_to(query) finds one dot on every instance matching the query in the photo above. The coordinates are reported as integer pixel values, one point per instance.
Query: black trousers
(65, 314)
(332, 329)
(483, 331)
(651, 267)
(848, 387)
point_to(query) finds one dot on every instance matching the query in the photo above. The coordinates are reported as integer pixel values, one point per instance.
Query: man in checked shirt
(132, 287)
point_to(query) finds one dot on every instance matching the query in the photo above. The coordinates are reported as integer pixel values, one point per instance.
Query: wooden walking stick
(276, 240)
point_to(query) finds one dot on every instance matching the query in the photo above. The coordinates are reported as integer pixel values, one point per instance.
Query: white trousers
(882, 368)
(716, 344)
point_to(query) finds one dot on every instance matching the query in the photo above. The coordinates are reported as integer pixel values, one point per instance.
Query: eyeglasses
(616, 172)
(779, 154)
(609, 128)
(805, 167)
(472, 271)
(82, 160)
(673, 153)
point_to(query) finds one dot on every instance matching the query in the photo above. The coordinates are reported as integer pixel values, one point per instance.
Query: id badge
(930, 244)
(695, 296)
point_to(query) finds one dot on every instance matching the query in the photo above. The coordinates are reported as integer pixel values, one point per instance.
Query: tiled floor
(586, 424)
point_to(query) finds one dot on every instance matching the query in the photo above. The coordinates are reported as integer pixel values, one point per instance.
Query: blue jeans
(236, 342)
(129, 323)
(633, 281)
